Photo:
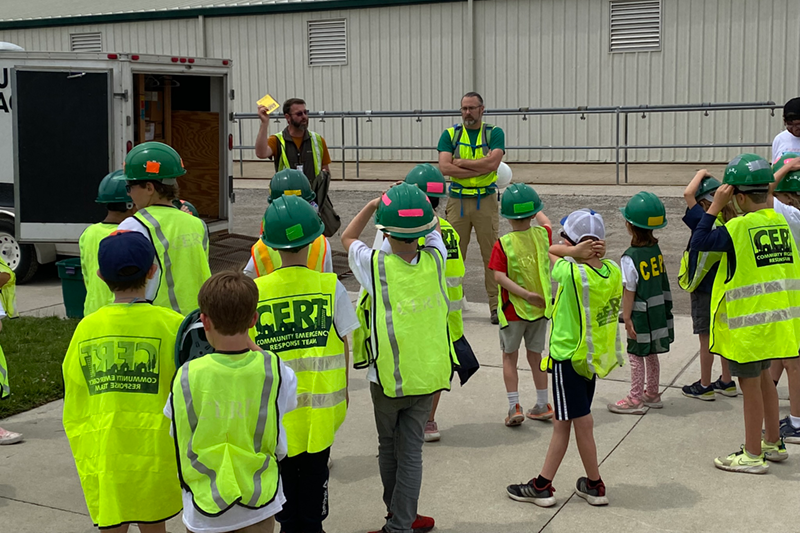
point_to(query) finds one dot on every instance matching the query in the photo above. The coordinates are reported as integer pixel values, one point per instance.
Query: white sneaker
(9, 437)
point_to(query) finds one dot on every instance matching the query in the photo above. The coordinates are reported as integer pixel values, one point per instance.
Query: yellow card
(268, 102)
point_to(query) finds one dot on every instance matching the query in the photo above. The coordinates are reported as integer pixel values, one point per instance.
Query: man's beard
(300, 125)
(470, 121)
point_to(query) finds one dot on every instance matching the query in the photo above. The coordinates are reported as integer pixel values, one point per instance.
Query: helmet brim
(638, 225)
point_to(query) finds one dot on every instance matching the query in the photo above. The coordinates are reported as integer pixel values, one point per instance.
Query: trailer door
(62, 149)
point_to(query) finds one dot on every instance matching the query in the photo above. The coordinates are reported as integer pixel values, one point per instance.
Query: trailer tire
(20, 257)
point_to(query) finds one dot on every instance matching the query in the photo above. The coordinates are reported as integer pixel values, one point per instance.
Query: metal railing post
(358, 154)
(616, 152)
(344, 166)
(241, 152)
(626, 147)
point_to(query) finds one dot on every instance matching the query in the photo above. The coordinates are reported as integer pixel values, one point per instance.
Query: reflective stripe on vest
(316, 150)
(97, 292)
(759, 302)
(266, 260)
(529, 267)
(117, 373)
(181, 243)
(454, 277)
(462, 149)
(296, 311)
(410, 299)
(203, 389)
(5, 388)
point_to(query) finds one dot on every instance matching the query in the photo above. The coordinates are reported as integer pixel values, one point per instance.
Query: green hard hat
(290, 181)
(404, 212)
(112, 189)
(153, 161)
(191, 342)
(428, 178)
(709, 184)
(645, 210)
(519, 200)
(791, 181)
(188, 205)
(290, 222)
(748, 170)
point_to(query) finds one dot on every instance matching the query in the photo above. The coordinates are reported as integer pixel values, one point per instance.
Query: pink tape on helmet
(386, 200)
(435, 187)
(410, 212)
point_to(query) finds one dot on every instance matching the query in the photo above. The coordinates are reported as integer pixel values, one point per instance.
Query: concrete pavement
(658, 467)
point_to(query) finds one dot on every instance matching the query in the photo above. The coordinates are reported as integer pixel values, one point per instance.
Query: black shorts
(701, 312)
(572, 393)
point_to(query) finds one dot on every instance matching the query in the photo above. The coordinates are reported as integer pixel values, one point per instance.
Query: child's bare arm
(357, 225)
(627, 311)
(511, 286)
(691, 189)
(542, 219)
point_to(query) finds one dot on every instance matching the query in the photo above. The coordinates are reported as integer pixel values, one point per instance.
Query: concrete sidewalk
(658, 467)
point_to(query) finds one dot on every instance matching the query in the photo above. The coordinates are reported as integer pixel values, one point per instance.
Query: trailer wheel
(21, 258)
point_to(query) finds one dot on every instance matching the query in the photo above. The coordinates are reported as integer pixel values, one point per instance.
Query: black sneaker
(595, 496)
(696, 390)
(527, 492)
(493, 317)
(726, 389)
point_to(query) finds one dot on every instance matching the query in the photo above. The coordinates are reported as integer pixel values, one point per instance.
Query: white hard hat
(503, 176)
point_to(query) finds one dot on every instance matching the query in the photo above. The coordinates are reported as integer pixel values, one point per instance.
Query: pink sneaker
(9, 437)
(627, 406)
(432, 431)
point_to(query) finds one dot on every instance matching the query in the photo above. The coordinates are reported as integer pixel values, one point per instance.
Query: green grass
(34, 349)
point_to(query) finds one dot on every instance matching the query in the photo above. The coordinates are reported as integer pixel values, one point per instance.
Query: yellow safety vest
(296, 321)
(316, 150)
(594, 345)
(705, 262)
(97, 292)
(463, 150)
(8, 293)
(529, 267)
(181, 242)
(5, 388)
(411, 342)
(454, 276)
(755, 310)
(117, 374)
(226, 427)
(266, 259)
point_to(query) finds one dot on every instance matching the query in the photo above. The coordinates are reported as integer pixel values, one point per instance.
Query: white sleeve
(776, 145)
(435, 240)
(385, 245)
(133, 224)
(168, 412)
(250, 269)
(287, 401)
(360, 260)
(792, 216)
(344, 315)
(327, 265)
(630, 277)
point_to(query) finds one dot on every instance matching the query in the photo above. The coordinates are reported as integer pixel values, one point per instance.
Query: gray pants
(401, 434)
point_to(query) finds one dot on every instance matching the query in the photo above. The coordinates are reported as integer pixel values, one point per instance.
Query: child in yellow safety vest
(9, 303)
(227, 410)
(522, 270)
(585, 343)
(304, 316)
(117, 372)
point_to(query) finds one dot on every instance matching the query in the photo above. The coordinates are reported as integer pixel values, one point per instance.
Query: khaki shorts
(534, 333)
(748, 370)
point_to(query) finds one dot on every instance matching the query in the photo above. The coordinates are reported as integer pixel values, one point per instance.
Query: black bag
(327, 213)
(467, 362)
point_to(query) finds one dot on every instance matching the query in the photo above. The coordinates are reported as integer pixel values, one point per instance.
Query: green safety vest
(362, 336)
(5, 388)
(181, 242)
(454, 270)
(8, 293)
(411, 342)
(705, 262)
(117, 374)
(97, 292)
(594, 345)
(296, 321)
(652, 305)
(529, 267)
(462, 149)
(755, 310)
(226, 426)
(316, 151)
(266, 260)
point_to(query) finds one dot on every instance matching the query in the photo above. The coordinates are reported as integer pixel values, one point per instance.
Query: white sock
(513, 399)
(795, 421)
(541, 397)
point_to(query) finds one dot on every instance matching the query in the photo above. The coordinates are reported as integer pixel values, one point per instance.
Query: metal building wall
(537, 53)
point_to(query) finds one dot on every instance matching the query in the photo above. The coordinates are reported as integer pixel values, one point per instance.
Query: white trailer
(68, 119)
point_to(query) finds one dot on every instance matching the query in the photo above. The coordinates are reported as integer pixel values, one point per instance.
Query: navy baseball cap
(125, 256)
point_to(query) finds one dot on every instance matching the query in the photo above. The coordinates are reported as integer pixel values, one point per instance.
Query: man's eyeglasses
(301, 113)
(470, 109)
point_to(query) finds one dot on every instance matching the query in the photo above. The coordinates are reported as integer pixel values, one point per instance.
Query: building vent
(635, 26)
(86, 42)
(327, 42)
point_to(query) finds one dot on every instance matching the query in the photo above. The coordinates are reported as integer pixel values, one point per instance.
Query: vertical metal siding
(537, 53)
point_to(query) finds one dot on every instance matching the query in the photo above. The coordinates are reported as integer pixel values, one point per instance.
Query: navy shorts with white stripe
(572, 393)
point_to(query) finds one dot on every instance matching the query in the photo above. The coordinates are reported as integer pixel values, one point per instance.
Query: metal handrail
(620, 147)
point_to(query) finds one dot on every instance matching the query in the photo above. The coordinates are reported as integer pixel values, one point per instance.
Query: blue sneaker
(789, 433)
(726, 389)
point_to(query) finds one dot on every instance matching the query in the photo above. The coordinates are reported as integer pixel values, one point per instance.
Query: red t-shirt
(499, 263)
